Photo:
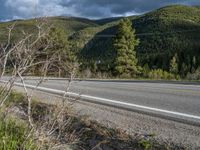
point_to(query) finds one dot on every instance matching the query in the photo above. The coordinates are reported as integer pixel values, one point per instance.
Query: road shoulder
(132, 122)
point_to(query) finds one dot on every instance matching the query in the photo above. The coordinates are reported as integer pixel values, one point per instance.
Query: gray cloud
(106, 8)
(12, 9)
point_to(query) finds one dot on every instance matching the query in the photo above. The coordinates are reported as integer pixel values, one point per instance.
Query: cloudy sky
(21, 9)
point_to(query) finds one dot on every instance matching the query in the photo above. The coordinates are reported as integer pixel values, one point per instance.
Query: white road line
(143, 107)
(112, 101)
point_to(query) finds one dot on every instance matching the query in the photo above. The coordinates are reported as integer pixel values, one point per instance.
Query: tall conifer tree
(124, 45)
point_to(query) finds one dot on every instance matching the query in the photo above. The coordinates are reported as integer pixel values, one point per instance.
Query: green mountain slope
(107, 20)
(166, 31)
(69, 24)
(162, 33)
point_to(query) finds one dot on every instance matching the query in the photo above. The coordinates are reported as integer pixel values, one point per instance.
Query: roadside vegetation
(77, 133)
(13, 135)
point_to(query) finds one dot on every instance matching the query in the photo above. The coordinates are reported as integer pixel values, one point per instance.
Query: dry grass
(55, 130)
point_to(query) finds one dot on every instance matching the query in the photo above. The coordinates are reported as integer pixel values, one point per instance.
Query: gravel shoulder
(133, 123)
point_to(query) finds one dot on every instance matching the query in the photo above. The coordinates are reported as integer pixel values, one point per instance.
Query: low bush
(194, 76)
(160, 74)
(13, 135)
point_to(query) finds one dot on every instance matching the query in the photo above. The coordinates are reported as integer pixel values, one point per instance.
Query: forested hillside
(162, 33)
(68, 24)
(168, 33)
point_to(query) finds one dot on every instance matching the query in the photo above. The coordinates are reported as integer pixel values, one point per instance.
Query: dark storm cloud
(103, 8)
(10, 9)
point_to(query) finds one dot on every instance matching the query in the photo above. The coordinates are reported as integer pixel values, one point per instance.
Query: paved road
(173, 97)
(181, 98)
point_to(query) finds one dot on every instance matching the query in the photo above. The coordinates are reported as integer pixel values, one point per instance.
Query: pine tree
(193, 68)
(124, 45)
(146, 70)
(174, 65)
(184, 70)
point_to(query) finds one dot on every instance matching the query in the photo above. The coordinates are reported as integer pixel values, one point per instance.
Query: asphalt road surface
(175, 97)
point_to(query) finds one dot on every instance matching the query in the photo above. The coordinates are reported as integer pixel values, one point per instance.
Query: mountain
(162, 33)
(68, 24)
(107, 20)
